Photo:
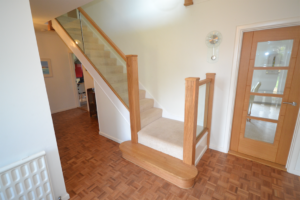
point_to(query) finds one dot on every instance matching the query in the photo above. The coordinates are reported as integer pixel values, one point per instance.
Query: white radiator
(27, 179)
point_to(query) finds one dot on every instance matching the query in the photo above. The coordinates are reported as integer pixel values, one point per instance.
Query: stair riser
(121, 89)
(90, 46)
(76, 29)
(124, 89)
(79, 36)
(68, 19)
(151, 118)
(71, 24)
(110, 71)
(100, 54)
(87, 37)
(142, 94)
(116, 79)
(104, 61)
(86, 34)
(146, 104)
(91, 40)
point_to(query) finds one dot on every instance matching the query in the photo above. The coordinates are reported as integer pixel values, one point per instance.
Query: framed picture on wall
(46, 67)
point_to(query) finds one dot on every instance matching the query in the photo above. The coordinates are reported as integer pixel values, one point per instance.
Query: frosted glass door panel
(264, 107)
(273, 53)
(260, 130)
(269, 81)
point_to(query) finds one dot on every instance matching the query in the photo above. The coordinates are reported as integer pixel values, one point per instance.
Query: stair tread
(165, 135)
(160, 161)
(165, 129)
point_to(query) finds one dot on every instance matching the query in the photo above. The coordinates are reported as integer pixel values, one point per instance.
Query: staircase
(166, 147)
(101, 58)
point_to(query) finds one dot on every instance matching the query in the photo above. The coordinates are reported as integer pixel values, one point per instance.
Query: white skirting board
(110, 137)
(65, 197)
(26, 179)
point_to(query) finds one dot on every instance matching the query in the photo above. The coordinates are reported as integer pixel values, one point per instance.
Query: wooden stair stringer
(160, 164)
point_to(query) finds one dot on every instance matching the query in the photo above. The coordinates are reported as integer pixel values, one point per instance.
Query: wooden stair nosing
(163, 165)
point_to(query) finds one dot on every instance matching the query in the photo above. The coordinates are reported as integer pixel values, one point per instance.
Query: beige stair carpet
(164, 135)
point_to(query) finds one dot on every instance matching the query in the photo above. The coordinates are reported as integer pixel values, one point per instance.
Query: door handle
(291, 103)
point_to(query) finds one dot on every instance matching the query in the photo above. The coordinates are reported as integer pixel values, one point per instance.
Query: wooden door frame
(234, 77)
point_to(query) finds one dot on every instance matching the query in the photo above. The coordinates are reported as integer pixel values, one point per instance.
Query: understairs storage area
(168, 148)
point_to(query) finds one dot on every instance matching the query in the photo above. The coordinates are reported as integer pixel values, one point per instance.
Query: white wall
(26, 125)
(170, 43)
(60, 87)
(112, 123)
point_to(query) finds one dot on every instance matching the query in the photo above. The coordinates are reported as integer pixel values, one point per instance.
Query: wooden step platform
(163, 165)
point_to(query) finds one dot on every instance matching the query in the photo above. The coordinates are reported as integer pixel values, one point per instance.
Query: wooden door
(269, 78)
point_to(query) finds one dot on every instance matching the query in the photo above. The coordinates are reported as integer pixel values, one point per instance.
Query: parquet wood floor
(94, 169)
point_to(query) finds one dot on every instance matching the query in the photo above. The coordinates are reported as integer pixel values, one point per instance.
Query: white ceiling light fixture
(213, 41)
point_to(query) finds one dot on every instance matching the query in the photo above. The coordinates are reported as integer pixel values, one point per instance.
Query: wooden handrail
(102, 33)
(202, 82)
(133, 96)
(114, 91)
(190, 120)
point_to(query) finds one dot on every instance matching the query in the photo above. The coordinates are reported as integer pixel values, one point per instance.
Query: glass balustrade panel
(71, 24)
(105, 59)
(202, 108)
(102, 55)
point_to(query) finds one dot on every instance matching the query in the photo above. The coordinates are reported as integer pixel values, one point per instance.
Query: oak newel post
(133, 96)
(190, 120)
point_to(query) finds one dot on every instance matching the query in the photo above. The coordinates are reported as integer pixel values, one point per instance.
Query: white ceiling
(45, 10)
